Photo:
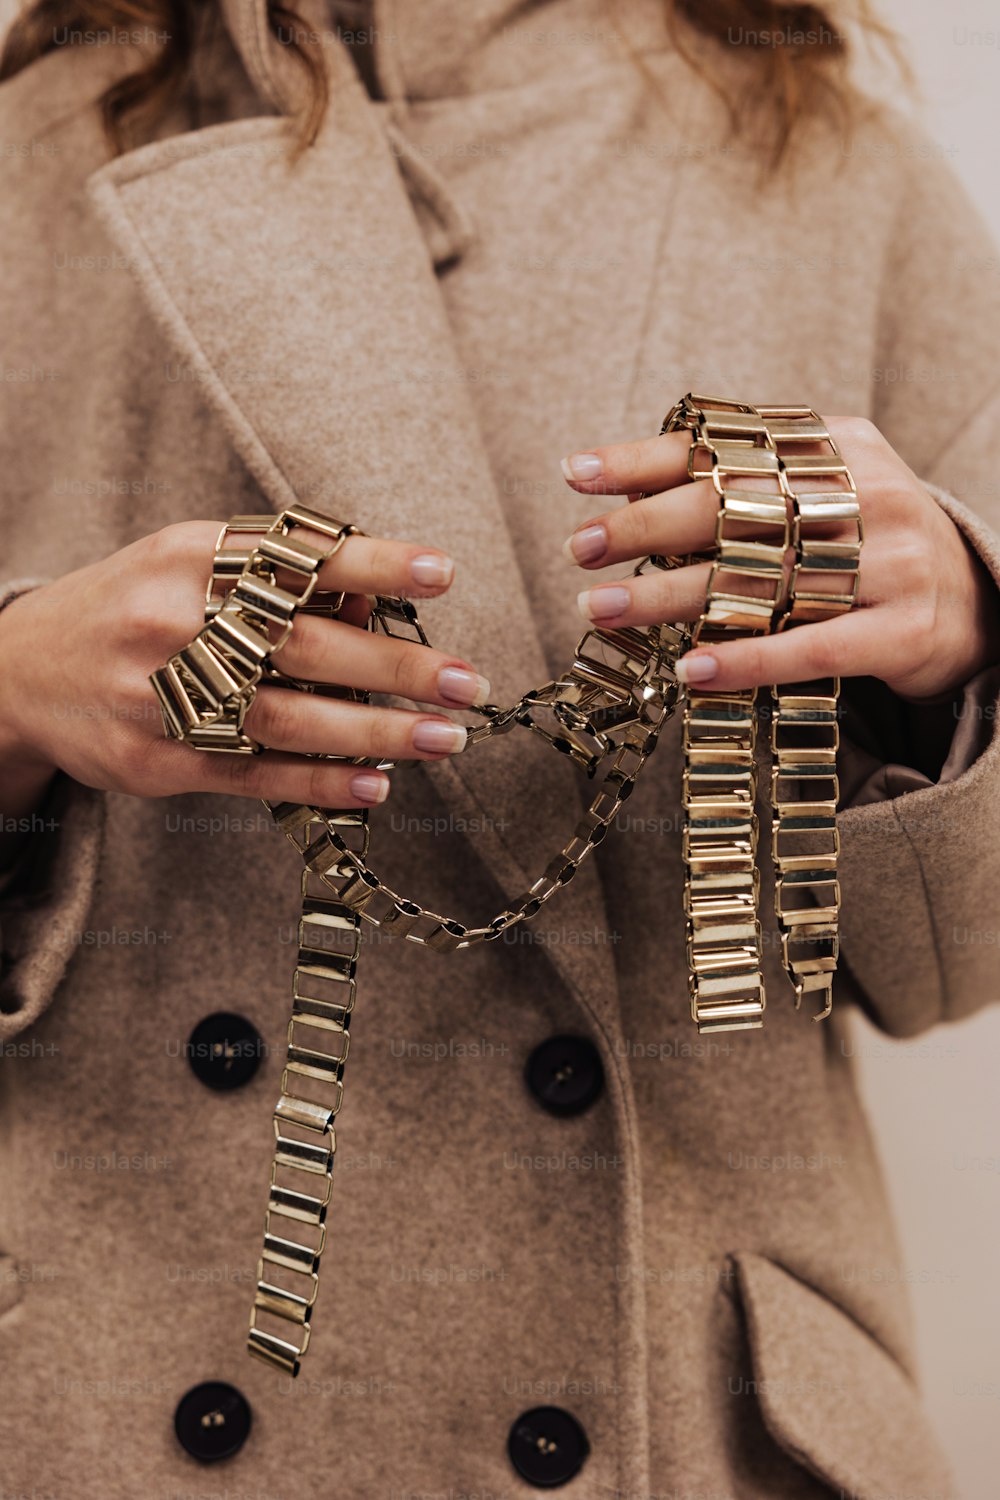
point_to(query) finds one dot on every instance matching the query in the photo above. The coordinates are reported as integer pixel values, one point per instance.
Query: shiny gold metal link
(827, 534)
(329, 939)
(324, 987)
(730, 445)
(803, 499)
(205, 690)
(580, 712)
(606, 714)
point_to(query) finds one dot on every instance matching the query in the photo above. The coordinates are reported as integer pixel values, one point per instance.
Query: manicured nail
(431, 570)
(586, 545)
(582, 466)
(697, 667)
(369, 787)
(435, 737)
(460, 686)
(603, 603)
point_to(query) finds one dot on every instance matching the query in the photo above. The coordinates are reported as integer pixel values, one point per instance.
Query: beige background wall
(933, 1102)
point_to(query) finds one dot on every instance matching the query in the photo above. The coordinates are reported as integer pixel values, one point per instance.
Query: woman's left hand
(928, 615)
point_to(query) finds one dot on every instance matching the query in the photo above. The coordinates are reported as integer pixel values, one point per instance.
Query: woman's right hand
(76, 654)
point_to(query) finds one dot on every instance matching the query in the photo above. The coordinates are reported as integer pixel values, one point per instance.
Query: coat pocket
(830, 1396)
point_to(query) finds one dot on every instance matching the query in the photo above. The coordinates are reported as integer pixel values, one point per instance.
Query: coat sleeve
(920, 833)
(46, 893)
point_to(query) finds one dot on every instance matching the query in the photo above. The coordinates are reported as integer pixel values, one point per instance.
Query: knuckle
(162, 546)
(753, 664)
(381, 739)
(247, 775)
(147, 767)
(152, 600)
(625, 461)
(858, 435)
(892, 497)
(277, 716)
(303, 649)
(821, 656)
(404, 674)
(634, 527)
(926, 621)
(141, 613)
(136, 765)
(915, 571)
(181, 542)
(320, 782)
(385, 565)
(685, 591)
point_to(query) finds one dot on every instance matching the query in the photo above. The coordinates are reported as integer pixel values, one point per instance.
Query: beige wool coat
(518, 250)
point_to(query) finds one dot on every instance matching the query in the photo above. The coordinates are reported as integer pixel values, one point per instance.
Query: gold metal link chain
(827, 533)
(606, 714)
(806, 501)
(722, 888)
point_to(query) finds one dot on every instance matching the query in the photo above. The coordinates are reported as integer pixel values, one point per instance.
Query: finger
(321, 650)
(677, 520)
(308, 724)
(679, 593)
(851, 645)
(282, 778)
(673, 594)
(374, 565)
(656, 463)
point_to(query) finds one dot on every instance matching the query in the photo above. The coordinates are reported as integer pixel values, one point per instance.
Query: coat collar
(304, 300)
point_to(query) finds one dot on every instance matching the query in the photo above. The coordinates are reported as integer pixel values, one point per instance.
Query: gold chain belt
(806, 501)
(606, 713)
(722, 887)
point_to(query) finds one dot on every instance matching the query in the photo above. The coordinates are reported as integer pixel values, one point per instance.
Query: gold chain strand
(730, 444)
(606, 714)
(323, 984)
(206, 689)
(818, 494)
(324, 987)
(827, 534)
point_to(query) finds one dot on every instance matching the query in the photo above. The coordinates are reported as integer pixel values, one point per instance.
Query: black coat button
(224, 1050)
(547, 1446)
(565, 1074)
(212, 1421)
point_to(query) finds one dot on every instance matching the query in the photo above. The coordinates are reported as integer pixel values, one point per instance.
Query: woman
(393, 273)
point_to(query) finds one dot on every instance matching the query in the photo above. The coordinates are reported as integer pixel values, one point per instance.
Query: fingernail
(696, 668)
(582, 466)
(431, 570)
(435, 737)
(586, 545)
(463, 687)
(603, 603)
(369, 788)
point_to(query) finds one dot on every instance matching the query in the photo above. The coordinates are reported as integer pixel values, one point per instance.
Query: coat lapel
(303, 299)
